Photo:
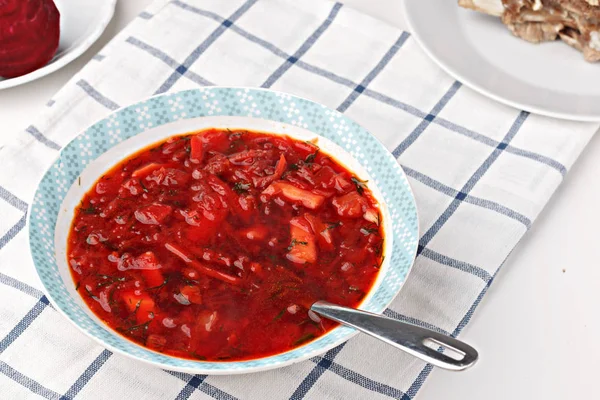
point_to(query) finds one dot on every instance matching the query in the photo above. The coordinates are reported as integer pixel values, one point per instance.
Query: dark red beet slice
(29, 35)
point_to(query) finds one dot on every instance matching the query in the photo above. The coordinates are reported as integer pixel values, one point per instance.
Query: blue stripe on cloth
(460, 265)
(493, 143)
(416, 385)
(204, 387)
(437, 225)
(467, 317)
(181, 375)
(195, 55)
(145, 15)
(488, 204)
(99, 57)
(418, 382)
(21, 286)
(14, 231)
(28, 383)
(50, 103)
(499, 208)
(33, 131)
(326, 74)
(287, 64)
(313, 376)
(195, 10)
(96, 95)
(12, 200)
(395, 103)
(191, 386)
(215, 392)
(539, 158)
(35, 311)
(373, 94)
(363, 381)
(85, 377)
(387, 57)
(388, 312)
(414, 135)
(167, 60)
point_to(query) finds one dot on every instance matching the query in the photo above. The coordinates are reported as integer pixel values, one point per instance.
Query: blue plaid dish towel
(481, 173)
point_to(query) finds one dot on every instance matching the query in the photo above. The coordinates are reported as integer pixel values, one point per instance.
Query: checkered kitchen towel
(481, 173)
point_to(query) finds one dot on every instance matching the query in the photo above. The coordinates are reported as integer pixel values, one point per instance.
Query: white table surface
(536, 328)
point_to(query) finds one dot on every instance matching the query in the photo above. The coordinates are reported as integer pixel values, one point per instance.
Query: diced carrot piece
(146, 169)
(321, 231)
(192, 293)
(291, 192)
(281, 166)
(301, 223)
(350, 205)
(146, 263)
(150, 268)
(141, 304)
(302, 248)
(179, 252)
(154, 214)
(146, 311)
(197, 149)
(153, 277)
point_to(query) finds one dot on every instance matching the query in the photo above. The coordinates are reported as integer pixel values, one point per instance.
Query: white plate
(81, 24)
(550, 79)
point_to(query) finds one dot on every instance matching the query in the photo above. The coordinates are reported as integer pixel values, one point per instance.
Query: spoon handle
(407, 337)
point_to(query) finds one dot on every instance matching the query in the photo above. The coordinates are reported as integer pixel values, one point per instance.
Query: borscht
(213, 245)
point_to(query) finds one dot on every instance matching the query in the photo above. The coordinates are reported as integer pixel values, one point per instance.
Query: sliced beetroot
(29, 35)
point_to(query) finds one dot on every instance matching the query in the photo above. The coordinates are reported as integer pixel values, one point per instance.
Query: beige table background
(538, 326)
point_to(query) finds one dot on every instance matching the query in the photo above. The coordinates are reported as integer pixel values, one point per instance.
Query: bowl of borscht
(193, 231)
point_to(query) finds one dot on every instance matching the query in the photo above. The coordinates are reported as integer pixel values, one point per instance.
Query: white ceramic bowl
(109, 141)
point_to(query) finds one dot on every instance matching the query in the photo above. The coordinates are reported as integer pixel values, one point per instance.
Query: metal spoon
(404, 336)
